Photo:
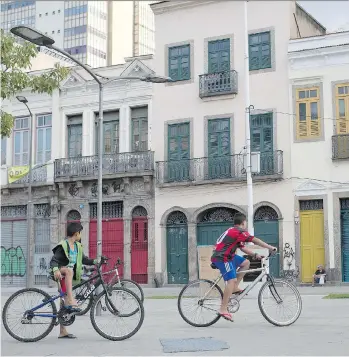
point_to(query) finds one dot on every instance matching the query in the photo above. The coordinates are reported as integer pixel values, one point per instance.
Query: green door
(208, 233)
(219, 56)
(178, 152)
(262, 141)
(345, 238)
(218, 62)
(219, 158)
(266, 227)
(177, 254)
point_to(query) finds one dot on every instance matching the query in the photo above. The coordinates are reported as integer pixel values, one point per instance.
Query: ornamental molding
(168, 6)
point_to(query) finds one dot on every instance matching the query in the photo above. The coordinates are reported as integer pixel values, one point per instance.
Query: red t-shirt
(228, 242)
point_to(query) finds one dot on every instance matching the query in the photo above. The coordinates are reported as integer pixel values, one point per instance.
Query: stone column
(88, 133)
(127, 248)
(151, 251)
(124, 126)
(192, 252)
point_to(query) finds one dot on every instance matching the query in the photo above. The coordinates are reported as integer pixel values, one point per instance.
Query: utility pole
(247, 128)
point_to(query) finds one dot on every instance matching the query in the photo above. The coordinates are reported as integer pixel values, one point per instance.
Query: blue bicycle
(29, 315)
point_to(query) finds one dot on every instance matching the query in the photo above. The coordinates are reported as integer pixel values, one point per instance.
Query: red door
(112, 242)
(139, 250)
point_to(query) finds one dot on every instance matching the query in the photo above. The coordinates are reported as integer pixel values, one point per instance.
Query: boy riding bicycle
(225, 259)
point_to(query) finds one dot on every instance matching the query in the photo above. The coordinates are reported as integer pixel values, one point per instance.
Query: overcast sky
(331, 14)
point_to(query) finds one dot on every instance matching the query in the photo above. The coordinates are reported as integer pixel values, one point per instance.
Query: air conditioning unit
(255, 162)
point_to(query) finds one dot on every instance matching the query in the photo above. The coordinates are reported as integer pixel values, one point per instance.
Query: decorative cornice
(168, 6)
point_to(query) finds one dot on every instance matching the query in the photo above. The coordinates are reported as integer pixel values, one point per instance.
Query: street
(322, 330)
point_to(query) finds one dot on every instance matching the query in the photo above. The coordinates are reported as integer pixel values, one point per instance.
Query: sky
(331, 14)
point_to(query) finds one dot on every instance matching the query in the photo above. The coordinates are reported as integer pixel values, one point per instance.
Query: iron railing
(218, 83)
(231, 167)
(128, 162)
(39, 174)
(340, 146)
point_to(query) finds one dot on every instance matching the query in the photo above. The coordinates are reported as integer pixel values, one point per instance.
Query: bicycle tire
(216, 318)
(266, 285)
(138, 288)
(5, 311)
(113, 338)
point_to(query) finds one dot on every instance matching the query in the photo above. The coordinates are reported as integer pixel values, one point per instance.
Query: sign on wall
(17, 172)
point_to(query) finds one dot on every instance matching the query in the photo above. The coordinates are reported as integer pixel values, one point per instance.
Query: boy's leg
(244, 264)
(68, 274)
(229, 275)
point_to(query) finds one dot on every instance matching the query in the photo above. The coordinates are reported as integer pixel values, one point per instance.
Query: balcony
(130, 163)
(340, 147)
(218, 83)
(228, 168)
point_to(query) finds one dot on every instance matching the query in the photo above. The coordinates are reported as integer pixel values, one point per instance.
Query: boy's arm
(54, 263)
(262, 244)
(87, 261)
(247, 251)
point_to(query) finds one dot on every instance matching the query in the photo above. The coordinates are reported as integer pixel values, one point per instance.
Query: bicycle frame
(62, 294)
(263, 273)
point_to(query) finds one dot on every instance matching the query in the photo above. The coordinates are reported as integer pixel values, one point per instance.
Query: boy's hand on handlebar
(273, 251)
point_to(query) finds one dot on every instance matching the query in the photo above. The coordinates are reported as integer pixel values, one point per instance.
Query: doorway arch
(139, 245)
(212, 223)
(266, 227)
(177, 248)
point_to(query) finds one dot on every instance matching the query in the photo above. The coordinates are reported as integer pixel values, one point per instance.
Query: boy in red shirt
(225, 259)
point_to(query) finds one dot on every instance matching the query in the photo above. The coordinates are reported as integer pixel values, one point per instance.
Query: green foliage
(15, 60)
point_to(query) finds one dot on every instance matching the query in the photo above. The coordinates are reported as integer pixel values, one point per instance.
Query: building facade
(98, 33)
(200, 131)
(319, 93)
(65, 169)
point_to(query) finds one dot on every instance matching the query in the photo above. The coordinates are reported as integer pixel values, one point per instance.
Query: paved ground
(322, 330)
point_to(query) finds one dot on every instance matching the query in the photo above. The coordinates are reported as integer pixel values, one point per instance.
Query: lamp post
(38, 38)
(30, 280)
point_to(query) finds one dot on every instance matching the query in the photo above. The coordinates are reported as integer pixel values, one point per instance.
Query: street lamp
(39, 39)
(30, 282)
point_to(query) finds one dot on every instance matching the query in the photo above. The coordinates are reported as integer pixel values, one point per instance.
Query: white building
(65, 173)
(95, 32)
(200, 125)
(319, 93)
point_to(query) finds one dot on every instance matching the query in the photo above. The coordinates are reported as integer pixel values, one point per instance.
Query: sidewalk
(168, 291)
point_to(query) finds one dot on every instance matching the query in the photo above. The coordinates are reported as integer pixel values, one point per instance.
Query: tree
(15, 60)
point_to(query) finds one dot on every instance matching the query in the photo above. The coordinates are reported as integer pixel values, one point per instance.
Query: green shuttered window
(179, 62)
(260, 51)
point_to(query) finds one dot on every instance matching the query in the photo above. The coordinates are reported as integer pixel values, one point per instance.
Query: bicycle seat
(213, 266)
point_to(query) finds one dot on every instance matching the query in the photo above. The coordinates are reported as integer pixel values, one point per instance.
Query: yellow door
(312, 243)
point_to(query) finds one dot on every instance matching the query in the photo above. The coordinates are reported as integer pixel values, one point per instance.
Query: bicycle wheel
(133, 286)
(124, 301)
(17, 313)
(280, 294)
(201, 298)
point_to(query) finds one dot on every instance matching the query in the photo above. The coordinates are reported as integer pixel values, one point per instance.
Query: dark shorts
(228, 269)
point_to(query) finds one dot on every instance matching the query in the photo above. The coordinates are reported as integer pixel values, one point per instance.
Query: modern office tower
(95, 32)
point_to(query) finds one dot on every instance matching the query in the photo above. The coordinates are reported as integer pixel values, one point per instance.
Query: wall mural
(289, 258)
(13, 262)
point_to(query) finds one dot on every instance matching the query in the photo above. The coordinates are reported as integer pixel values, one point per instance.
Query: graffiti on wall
(41, 263)
(289, 258)
(13, 262)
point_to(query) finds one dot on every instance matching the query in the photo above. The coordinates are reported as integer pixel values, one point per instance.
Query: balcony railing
(218, 83)
(39, 175)
(229, 167)
(86, 166)
(340, 146)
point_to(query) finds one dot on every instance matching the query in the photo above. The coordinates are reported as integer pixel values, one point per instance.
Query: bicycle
(45, 308)
(214, 301)
(86, 303)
